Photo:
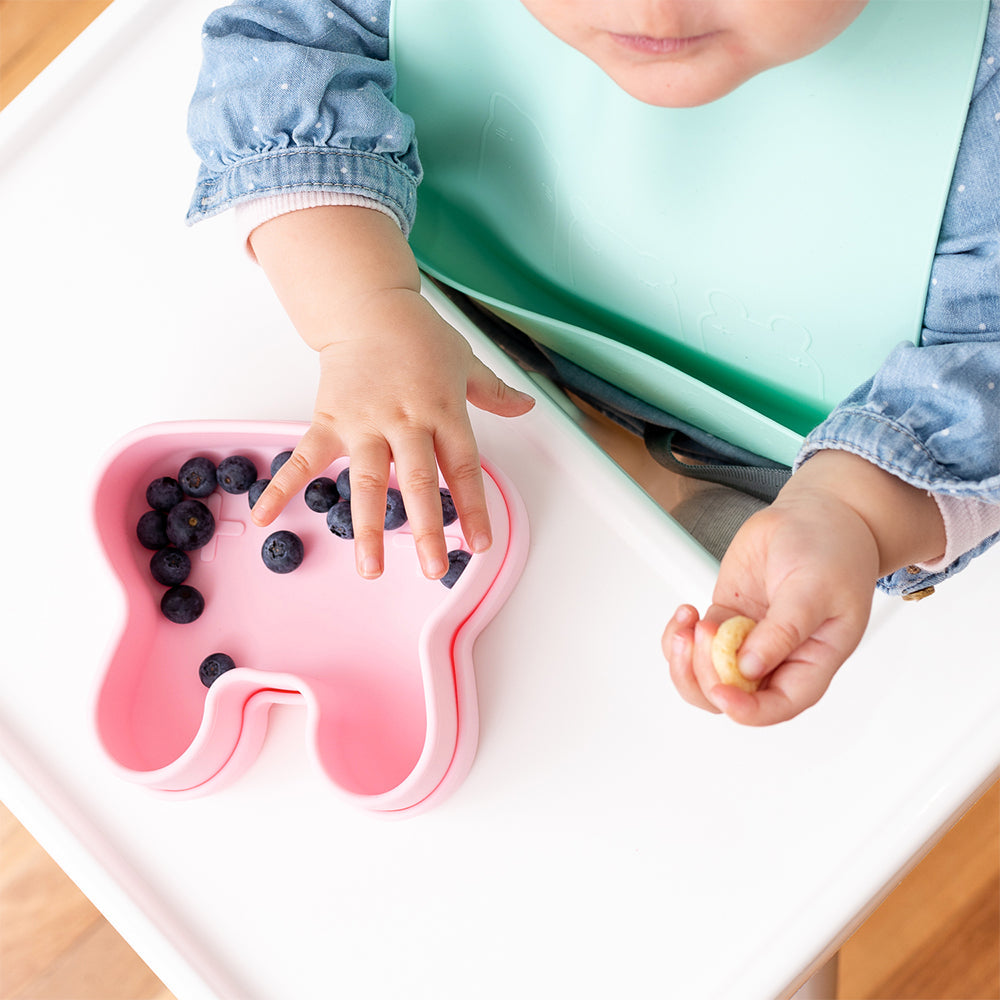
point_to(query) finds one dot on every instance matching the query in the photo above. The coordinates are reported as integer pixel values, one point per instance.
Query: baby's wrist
(327, 264)
(904, 520)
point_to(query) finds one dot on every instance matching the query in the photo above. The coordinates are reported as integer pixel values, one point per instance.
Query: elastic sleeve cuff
(249, 215)
(968, 523)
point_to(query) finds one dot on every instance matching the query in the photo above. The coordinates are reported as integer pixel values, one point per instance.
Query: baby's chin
(667, 87)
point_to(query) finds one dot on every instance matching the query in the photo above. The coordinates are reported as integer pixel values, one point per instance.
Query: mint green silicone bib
(742, 265)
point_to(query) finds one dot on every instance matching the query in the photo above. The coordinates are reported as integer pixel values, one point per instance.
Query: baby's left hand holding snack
(805, 568)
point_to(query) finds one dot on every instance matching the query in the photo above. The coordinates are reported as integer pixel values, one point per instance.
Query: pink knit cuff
(967, 522)
(251, 214)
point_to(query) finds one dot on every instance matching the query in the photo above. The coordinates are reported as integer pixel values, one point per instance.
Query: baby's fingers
(792, 688)
(678, 644)
(316, 449)
(460, 466)
(369, 476)
(761, 707)
(795, 650)
(417, 475)
(795, 614)
(486, 391)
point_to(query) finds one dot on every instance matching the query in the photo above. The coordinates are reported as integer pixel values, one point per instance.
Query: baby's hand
(393, 388)
(805, 569)
(394, 380)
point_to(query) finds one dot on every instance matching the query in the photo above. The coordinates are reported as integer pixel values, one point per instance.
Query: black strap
(756, 481)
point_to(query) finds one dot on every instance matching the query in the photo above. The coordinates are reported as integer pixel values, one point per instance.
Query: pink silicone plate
(383, 666)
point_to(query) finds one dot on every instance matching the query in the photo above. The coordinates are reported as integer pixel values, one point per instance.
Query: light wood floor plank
(98, 966)
(54, 943)
(938, 935)
(41, 916)
(33, 33)
(956, 962)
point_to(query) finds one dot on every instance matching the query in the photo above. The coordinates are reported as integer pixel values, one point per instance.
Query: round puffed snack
(725, 645)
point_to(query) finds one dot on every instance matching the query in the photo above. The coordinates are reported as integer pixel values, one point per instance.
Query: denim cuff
(301, 168)
(894, 448)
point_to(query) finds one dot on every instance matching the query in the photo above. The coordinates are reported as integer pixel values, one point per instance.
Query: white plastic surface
(606, 830)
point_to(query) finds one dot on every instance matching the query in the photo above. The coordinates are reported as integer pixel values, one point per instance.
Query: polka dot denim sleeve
(931, 414)
(296, 95)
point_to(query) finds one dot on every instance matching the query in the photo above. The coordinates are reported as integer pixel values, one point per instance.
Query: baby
(900, 485)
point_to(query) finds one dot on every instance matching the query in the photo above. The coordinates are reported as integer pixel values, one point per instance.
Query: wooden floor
(937, 937)
(33, 32)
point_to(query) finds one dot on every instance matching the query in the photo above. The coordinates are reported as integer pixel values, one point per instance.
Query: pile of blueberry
(178, 522)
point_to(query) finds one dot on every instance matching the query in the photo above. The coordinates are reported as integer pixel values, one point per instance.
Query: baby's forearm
(904, 520)
(326, 263)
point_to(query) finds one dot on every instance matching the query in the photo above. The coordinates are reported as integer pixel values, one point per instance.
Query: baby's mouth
(651, 45)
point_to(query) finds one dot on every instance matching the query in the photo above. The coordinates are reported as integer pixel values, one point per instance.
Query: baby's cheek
(774, 33)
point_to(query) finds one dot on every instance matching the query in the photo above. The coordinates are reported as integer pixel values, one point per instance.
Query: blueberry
(236, 474)
(344, 484)
(448, 508)
(213, 666)
(182, 604)
(282, 552)
(458, 559)
(152, 530)
(197, 477)
(190, 525)
(253, 494)
(338, 519)
(321, 494)
(279, 460)
(164, 493)
(395, 512)
(170, 567)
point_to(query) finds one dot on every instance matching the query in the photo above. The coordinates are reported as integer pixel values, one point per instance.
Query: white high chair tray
(609, 840)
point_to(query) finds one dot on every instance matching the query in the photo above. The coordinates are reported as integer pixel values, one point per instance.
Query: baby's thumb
(488, 392)
(790, 621)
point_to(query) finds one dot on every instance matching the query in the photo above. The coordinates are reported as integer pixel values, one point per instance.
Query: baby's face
(681, 53)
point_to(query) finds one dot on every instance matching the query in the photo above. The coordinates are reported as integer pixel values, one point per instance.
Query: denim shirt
(296, 95)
